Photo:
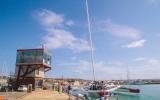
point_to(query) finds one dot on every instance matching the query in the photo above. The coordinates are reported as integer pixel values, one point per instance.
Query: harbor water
(148, 92)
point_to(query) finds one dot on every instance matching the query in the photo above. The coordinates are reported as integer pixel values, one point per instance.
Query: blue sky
(126, 35)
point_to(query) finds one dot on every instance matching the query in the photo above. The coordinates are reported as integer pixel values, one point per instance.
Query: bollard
(29, 88)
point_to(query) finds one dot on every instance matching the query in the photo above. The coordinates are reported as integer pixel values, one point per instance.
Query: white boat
(99, 89)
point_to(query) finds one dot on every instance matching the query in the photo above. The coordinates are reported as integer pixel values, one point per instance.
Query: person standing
(69, 88)
(100, 98)
(53, 87)
(59, 88)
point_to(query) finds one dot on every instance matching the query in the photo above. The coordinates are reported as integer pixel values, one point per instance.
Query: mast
(3, 71)
(128, 74)
(90, 39)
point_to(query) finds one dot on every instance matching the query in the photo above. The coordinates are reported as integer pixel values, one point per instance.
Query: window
(37, 72)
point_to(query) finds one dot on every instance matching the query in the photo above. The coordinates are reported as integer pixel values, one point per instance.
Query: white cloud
(147, 68)
(147, 61)
(57, 36)
(49, 18)
(145, 72)
(153, 61)
(70, 23)
(102, 71)
(135, 44)
(139, 59)
(119, 30)
(142, 69)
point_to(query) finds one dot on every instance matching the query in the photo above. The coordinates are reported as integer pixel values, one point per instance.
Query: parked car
(22, 88)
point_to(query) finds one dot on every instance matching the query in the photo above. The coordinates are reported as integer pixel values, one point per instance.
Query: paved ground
(12, 95)
(47, 95)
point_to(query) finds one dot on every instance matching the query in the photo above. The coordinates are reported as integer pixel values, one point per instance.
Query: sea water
(147, 92)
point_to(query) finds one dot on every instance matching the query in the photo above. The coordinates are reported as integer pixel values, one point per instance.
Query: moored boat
(127, 91)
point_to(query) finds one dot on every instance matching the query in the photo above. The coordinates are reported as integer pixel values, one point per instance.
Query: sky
(125, 33)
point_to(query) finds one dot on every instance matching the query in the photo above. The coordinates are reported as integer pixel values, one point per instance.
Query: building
(3, 82)
(31, 65)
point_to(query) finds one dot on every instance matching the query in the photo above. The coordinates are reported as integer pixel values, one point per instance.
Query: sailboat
(95, 88)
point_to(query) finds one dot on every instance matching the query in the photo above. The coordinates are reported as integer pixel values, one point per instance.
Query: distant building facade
(31, 65)
(3, 82)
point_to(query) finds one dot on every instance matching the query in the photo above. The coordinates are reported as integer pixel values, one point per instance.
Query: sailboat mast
(90, 39)
(128, 74)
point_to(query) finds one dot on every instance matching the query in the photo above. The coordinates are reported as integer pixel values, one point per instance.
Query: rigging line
(90, 38)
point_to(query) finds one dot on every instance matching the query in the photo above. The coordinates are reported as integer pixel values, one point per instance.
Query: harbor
(79, 50)
(53, 95)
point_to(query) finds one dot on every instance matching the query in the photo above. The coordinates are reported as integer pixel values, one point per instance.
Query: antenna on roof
(42, 46)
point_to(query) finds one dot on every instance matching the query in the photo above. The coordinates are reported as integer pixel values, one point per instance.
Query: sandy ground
(11, 95)
(47, 95)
